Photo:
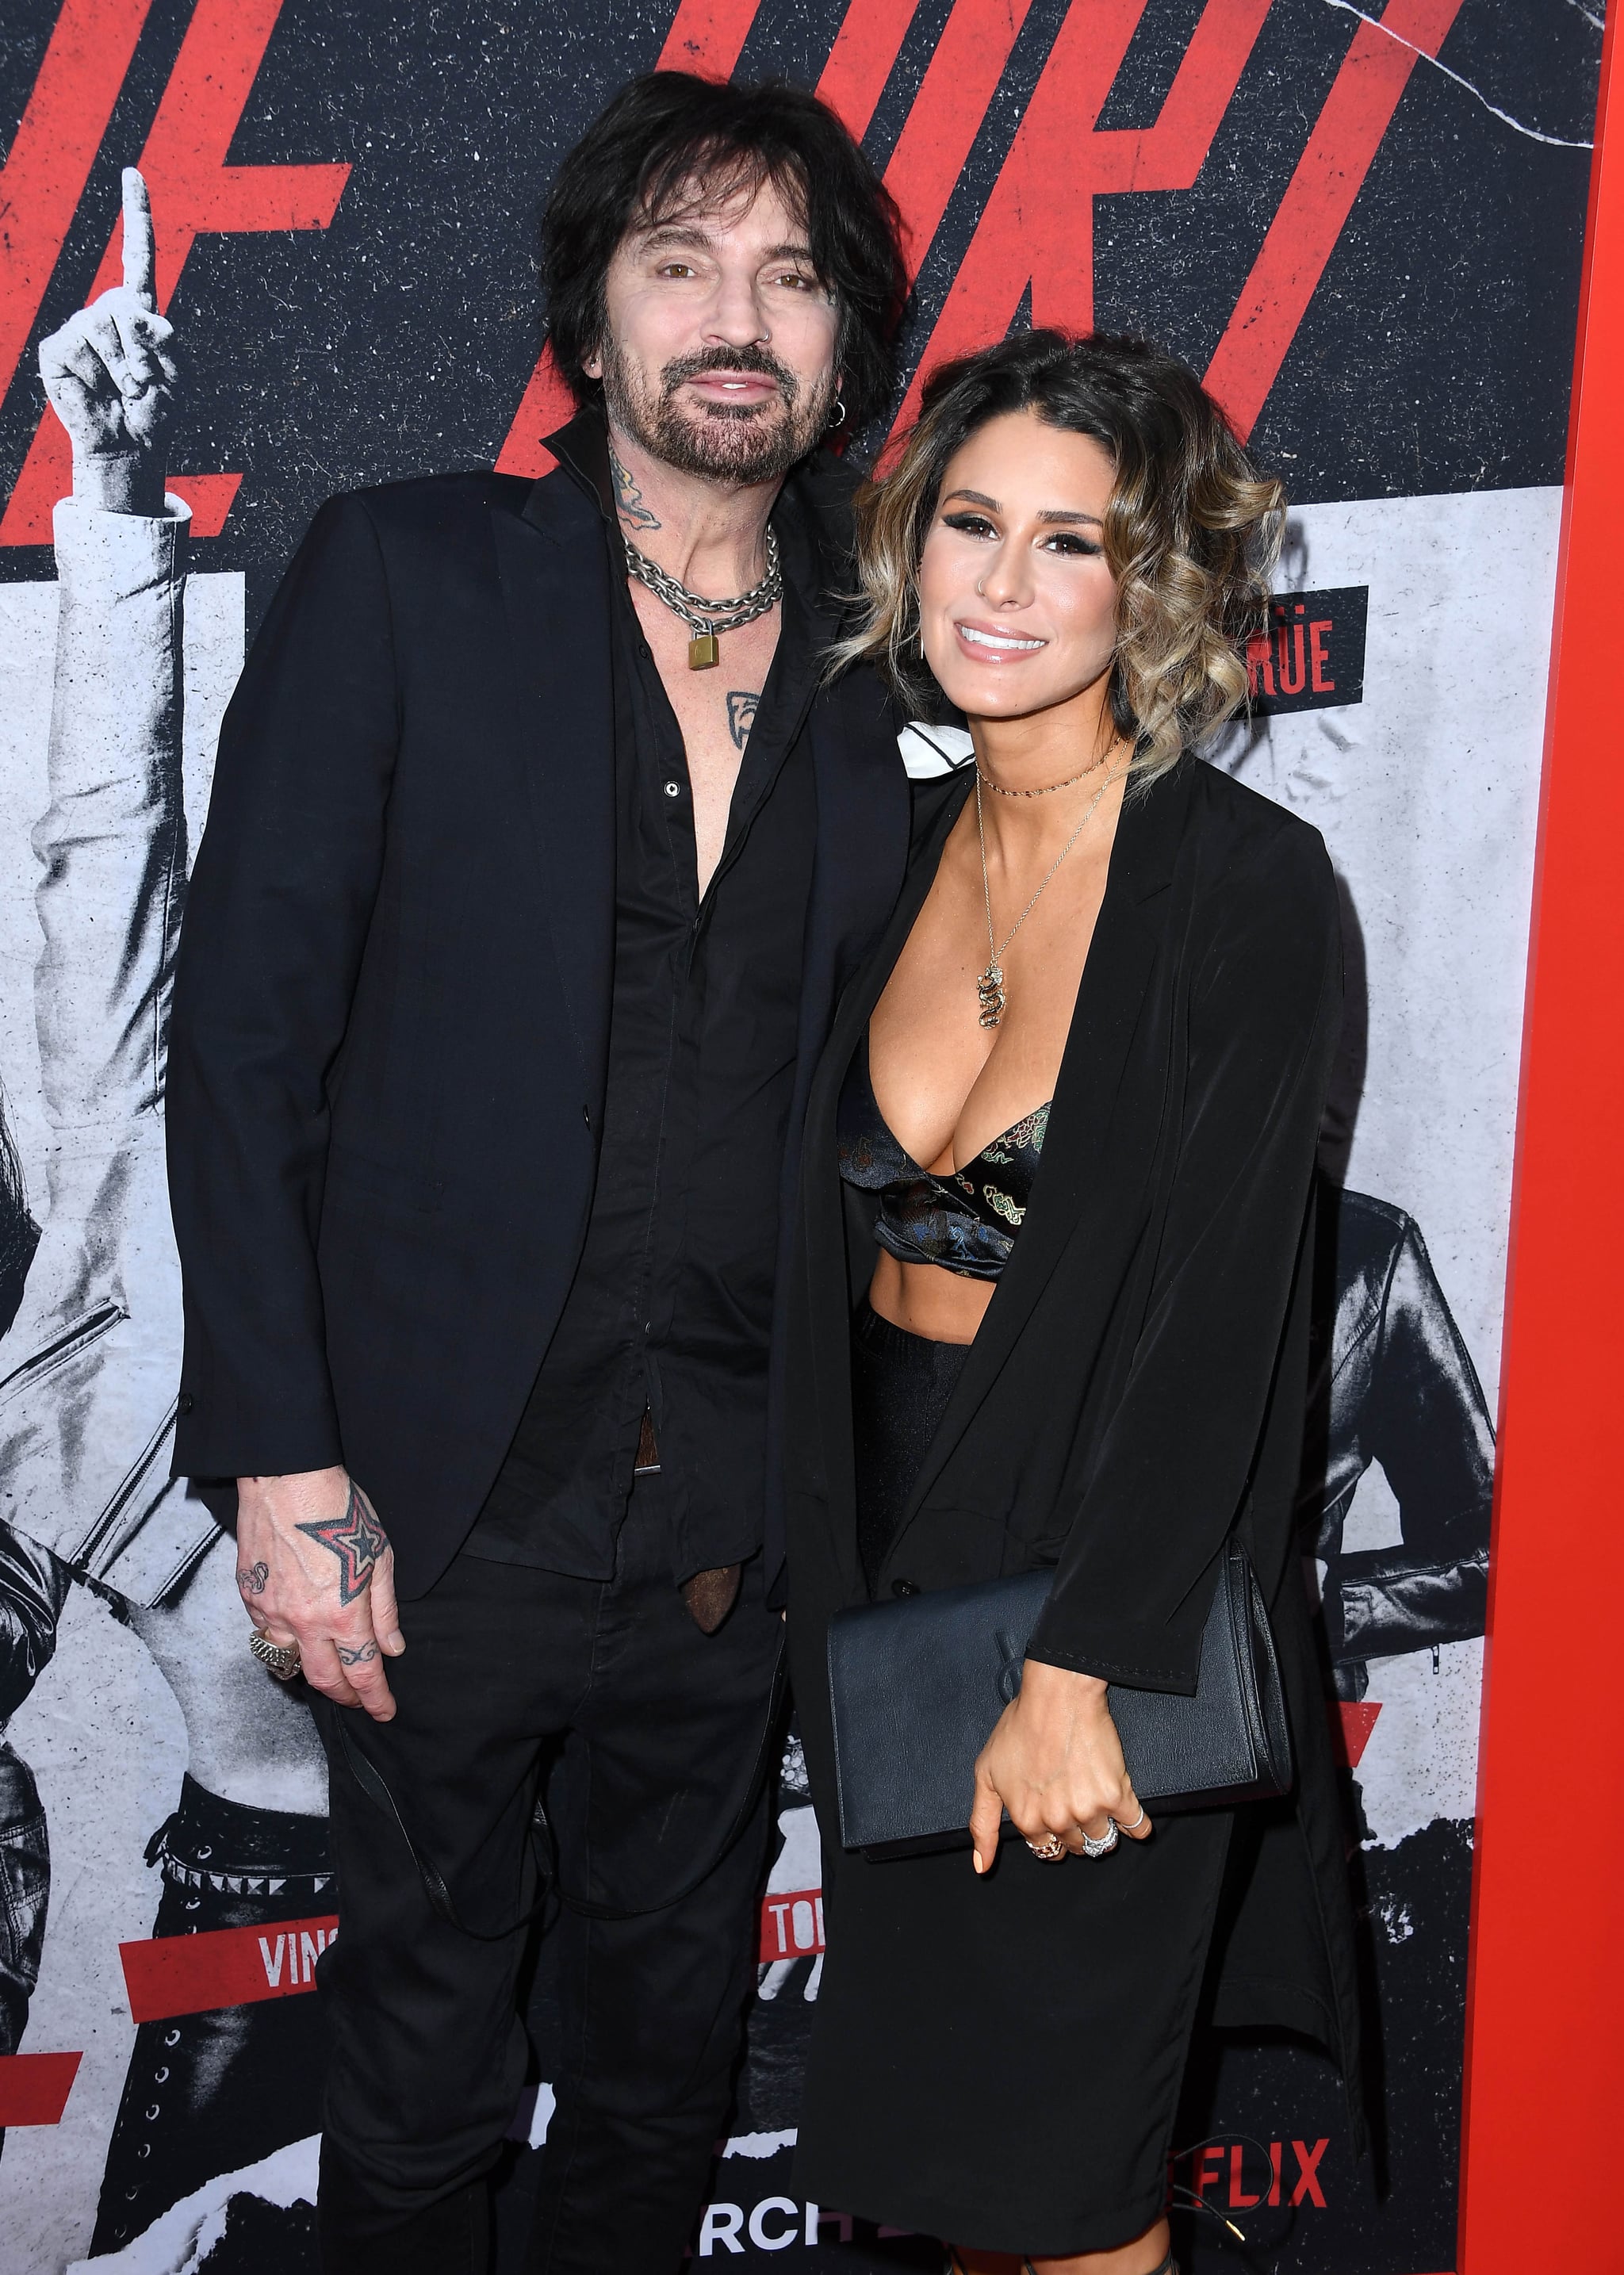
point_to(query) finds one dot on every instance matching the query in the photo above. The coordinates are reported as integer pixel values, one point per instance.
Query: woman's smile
(990, 647)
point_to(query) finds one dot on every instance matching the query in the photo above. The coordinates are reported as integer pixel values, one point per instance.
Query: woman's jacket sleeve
(1173, 1464)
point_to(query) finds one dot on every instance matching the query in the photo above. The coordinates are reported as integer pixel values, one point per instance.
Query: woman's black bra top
(966, 1222)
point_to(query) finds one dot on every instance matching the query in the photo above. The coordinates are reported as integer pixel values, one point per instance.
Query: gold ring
(1049, 1851)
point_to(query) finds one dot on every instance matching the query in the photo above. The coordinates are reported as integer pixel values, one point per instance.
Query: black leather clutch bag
(916, 1686)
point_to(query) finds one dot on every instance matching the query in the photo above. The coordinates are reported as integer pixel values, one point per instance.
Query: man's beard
(718, 442)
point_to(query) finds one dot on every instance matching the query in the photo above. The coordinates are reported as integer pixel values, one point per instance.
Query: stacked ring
(1101, 1848)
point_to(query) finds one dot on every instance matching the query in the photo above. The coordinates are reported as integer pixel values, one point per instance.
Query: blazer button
(186, 1401)
(904, 1587)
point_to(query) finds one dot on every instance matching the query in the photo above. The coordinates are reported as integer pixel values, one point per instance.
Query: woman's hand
(1056, 1763)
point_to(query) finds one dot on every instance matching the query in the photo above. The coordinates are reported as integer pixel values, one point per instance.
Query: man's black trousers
(642, 1736)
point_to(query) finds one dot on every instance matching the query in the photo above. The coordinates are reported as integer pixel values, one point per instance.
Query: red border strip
(1545, 2004)
(34, 2088)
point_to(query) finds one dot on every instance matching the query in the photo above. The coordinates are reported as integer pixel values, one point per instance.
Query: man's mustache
(746, 358)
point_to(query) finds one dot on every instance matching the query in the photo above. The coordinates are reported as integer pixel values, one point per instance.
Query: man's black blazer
(388, 1046)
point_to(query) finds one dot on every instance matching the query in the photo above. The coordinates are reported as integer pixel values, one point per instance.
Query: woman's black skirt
(997, 2061)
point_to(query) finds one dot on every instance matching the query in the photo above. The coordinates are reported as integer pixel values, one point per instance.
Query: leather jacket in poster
(1393, 1382)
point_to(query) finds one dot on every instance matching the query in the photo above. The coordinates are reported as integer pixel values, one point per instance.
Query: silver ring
(281, 1658)
(1100, 1848)
(1138, 1822)
(1049, 1851)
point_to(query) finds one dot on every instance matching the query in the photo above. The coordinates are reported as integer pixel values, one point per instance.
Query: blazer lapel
(554, 573)
(1074, 1185)
(823, 1236)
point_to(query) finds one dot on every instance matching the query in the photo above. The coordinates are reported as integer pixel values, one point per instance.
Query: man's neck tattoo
(629, 498)
(357, 1540)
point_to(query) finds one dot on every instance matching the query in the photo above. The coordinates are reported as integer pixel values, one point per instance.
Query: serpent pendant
(989, 989)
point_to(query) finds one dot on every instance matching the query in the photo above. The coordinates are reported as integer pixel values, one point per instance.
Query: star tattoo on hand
(357, 1540)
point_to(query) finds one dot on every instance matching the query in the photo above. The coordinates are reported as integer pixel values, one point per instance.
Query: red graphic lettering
(1318, 198)
(707, 36)
(34, 2088)
(1208, 2161)
(51, 154)
(1307, 2166)
(947, 114)
(1274, 2163)
(1238, 2198)
(1038, 224)
(865, 48)
(1259, 664)
(1291, 661)
(791, 1925)
(1320, 659)
(1352, 1720)
(193, 192)
(225, 1967)
(545, 405)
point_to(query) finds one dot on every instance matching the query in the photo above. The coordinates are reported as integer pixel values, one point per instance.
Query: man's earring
(837, 417)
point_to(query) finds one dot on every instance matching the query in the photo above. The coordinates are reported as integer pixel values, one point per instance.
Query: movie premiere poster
(1364, 225)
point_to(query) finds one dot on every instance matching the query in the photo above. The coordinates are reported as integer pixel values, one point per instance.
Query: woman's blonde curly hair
(1192, 531)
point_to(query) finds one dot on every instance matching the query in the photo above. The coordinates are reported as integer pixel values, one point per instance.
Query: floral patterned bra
(965, 1222)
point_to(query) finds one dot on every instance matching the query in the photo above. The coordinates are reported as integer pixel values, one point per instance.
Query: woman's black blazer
(1138, 1388)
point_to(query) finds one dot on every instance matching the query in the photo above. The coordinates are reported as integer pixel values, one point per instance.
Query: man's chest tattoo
(742, 703)
(357, 1540)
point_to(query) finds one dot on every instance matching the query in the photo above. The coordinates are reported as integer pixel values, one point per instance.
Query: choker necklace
(705, 619)
(990, 988)
(1042, 788)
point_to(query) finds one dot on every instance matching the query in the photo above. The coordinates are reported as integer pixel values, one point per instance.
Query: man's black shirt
(671, 1308)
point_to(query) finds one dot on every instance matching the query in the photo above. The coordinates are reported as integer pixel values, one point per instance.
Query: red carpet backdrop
(1363, 225)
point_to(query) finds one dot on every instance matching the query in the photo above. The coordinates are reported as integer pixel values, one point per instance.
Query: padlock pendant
(703, 651)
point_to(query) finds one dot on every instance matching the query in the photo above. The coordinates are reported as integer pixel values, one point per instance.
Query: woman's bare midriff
(926, 1299)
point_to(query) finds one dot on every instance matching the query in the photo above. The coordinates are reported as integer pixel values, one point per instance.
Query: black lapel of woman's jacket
(552, 562)
(1084, 1187)
(826, 1294)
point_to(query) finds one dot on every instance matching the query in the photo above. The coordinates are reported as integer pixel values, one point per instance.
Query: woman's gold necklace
(990, 988)
(1042, 788)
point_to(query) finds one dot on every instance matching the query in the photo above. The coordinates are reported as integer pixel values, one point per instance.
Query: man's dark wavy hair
(669, 132)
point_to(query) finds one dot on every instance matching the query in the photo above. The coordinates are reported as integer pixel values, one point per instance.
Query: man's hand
(110, 374)
(315, 1568)
(1056, 1763)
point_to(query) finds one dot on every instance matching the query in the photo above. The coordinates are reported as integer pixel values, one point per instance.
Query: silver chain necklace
(705, 619)
(990, 987)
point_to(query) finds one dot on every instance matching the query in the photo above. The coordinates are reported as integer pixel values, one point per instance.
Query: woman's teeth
(1000, 643)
